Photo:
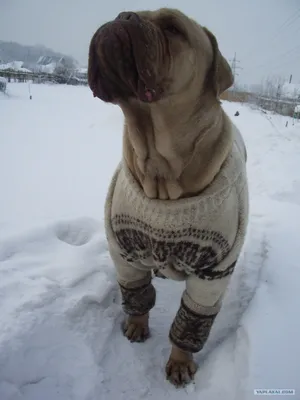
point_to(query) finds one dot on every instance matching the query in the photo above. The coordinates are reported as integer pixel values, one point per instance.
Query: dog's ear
(220, 73)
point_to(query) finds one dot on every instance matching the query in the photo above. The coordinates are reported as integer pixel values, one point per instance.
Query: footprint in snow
(76, 232)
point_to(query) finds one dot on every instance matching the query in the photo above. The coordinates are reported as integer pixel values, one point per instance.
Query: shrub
(3, 83)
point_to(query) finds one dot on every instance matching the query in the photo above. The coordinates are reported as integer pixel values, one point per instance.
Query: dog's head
(152, 55)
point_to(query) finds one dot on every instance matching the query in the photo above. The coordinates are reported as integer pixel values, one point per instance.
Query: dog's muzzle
(123, 59)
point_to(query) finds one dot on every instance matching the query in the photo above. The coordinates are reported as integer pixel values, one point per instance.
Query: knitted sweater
(200, 236)
(195, 239)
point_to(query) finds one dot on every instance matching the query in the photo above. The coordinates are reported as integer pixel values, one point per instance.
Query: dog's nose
(128, 16)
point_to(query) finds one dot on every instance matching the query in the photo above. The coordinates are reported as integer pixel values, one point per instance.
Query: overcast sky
(265, 34)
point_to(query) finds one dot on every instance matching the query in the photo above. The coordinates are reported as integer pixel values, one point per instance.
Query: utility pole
(278, 96)
(291, 77)
(234, 67)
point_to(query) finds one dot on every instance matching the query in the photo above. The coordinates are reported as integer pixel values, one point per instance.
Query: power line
(290, 23)
(285, 63)
(286, 24)
(285, 54)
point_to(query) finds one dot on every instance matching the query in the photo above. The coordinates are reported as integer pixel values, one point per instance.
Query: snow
(44, 60)
(59, 303)
(15, 65)
(297, 108)
(47, 69)
(291, 90)
(45, 64)
(2, 79)
(40, 60)
(82, 70)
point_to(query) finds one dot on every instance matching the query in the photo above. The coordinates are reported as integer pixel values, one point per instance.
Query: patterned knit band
(138, 300)
(189, 330)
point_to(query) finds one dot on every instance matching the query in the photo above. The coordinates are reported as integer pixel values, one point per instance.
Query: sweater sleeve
(200, 304)
(138, 293)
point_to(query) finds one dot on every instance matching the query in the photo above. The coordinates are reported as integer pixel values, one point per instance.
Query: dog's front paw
(136, 328)
(180, 373)
(181, 368)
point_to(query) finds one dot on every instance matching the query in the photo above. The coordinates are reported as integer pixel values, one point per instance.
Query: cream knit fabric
(197, 239)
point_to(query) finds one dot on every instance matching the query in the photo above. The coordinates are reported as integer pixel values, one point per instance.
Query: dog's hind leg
(138, 298)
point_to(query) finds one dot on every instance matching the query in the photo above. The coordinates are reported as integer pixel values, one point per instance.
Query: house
(16, 66)
(297, 112)
(291, 90)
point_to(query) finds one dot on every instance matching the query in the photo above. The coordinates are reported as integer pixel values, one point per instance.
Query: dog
(177, 203)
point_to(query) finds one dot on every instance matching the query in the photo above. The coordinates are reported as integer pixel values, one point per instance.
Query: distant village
(275, 95)
(47, 69)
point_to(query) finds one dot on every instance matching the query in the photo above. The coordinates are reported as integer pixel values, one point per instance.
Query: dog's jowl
(178, 201)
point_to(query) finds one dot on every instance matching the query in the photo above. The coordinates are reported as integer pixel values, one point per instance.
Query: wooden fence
(41, 77)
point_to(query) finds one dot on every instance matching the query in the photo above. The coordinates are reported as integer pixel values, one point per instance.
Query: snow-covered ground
(60, 307)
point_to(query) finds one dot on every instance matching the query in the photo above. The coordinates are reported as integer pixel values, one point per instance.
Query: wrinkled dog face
(151, 55)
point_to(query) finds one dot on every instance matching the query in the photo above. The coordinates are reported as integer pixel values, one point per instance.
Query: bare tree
(64, 70)
(271, 87)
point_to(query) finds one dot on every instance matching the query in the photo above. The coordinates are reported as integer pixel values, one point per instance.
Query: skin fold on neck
(174, 149)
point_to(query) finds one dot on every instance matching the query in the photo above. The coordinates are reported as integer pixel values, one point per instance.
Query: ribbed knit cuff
(190, 330)
(138, 300)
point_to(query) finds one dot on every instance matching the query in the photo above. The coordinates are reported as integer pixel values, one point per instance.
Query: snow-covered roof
(15, 65)
(44, 60)
(48, 68)
(75, 78)
(82, 70)
(291, 90)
